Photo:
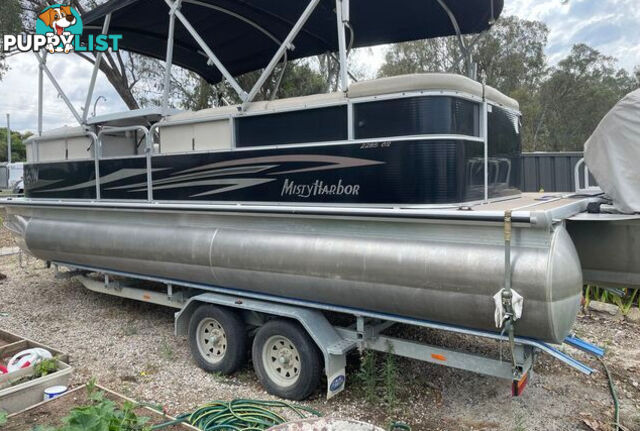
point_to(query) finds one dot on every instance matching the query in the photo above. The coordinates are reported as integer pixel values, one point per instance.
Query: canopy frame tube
(94, 75)
(466, 54)
(342, 17)
(212, 57)
(286, 44)
(61, 92)
(169, 59)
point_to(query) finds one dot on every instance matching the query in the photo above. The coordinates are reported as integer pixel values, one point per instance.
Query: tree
(18, 149)
(10, 23)
(510, 55)
(580, 90)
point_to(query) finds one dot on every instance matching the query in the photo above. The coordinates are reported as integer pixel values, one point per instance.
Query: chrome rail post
(96, 160)
(145, 131)
(585, 175)
(149, 154)
(94, 75)
(485, 137)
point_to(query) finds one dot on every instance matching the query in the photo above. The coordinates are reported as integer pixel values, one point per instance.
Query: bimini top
(245, 34)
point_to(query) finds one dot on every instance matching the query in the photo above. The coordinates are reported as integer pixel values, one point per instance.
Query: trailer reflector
(517, 387)
(439, 357)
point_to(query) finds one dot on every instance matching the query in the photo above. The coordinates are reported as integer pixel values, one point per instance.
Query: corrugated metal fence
(551, 172)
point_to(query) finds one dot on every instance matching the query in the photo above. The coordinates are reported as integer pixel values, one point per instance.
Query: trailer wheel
(218, 339)
(286, 360)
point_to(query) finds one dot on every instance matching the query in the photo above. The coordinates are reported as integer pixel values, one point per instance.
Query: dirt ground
(130, 348)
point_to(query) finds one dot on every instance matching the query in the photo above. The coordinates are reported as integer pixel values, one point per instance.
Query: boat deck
(532, 202)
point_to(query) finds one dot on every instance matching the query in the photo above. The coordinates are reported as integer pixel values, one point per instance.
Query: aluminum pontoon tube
(439, 271)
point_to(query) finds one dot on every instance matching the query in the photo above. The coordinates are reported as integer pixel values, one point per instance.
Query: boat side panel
(410, 172)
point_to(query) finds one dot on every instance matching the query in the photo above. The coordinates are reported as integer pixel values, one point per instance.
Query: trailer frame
(335, 342)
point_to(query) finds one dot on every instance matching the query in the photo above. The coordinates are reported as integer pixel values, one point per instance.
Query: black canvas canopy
(245, 34)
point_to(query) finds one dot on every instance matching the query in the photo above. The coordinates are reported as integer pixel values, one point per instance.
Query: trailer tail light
(517, 387)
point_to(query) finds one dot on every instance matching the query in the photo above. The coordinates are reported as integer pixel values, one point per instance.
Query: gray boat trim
(542, 219)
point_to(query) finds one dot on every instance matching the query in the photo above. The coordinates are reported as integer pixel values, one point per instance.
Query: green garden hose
(399, 426)
(616, 404)
(239, 415)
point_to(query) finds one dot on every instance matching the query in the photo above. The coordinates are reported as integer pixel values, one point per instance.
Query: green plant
(3, 417)
(45, 366)
(101, 414)
(367, 375)
(166, 351)
(623, 298)
(390, 375)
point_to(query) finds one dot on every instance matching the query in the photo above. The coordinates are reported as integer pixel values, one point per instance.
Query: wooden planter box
(51, 412)
(23, 395)
(16, 397)
(10, 344)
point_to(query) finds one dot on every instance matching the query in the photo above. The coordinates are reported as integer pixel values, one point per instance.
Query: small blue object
(584, 346)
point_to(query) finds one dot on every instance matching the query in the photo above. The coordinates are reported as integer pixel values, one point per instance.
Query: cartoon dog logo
(63, 21)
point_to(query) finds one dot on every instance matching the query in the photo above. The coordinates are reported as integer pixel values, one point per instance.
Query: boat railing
(584, 183)
(148, 150)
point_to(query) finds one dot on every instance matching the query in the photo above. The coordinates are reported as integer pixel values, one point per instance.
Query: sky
(611, 26)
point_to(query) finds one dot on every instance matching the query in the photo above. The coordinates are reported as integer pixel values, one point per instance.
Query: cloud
(610, 26)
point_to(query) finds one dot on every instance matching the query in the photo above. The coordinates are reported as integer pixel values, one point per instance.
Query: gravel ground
(130, 348)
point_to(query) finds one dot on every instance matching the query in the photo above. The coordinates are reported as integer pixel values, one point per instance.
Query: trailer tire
(218, 339)
(286, 360)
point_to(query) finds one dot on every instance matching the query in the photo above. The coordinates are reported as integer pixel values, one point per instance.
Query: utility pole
(8, 139)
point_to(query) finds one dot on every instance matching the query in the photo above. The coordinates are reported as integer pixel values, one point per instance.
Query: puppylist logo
(58, 29)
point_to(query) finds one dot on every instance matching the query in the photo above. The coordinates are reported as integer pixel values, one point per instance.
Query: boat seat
(215, 134)
(65, 144)
(428, 82)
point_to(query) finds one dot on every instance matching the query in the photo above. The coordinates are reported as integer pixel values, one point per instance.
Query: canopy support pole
(286, 44)
(238, 89)
(57, 86)
(169, 60)
(8, 138)
(94, 76)
(463, 47)
(40, 92)
(342, 16)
